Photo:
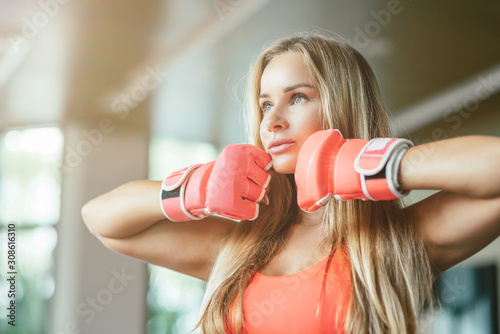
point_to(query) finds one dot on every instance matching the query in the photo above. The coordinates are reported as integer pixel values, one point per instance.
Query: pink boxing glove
(330, 166)
(231, 187)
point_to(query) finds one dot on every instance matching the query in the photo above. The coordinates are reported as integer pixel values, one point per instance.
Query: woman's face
(291, 109)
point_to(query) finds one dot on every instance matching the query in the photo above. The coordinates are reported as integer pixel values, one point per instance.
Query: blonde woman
(311, 244)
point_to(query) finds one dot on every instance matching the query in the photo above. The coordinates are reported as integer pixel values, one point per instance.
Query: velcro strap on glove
(174, 189)
(378, 164)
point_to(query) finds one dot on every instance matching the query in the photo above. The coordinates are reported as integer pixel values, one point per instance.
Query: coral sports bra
(287, 304)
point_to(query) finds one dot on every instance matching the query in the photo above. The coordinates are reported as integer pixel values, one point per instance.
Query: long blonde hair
(391, 276)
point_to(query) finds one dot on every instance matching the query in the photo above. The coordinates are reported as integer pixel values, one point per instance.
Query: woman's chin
(284, 168)
(287, 171)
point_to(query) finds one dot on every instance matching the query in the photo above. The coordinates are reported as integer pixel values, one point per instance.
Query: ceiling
(89, 53)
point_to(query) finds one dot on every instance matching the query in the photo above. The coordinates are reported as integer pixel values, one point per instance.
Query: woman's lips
(280, 145)
(280, 148)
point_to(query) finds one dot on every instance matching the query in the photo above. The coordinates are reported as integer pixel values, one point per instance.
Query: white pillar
(106, 145)
(97, 290)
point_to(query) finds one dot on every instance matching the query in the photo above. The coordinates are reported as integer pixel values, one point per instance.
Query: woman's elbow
(90, 216)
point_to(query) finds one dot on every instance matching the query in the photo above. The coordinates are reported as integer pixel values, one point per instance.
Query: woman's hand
(329, 166)
(231, 187)
(238, 182)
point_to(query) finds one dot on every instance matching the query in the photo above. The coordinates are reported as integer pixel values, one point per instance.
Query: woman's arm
(124, 211)
(129, 220)
(465, 216)
(466, 165)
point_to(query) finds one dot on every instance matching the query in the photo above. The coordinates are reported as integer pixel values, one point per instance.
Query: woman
(330, 266)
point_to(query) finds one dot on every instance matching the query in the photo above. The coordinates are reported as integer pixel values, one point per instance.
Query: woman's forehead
(283, 71)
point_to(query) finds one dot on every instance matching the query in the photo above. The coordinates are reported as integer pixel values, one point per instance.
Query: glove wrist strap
(378, 165)
(172, 195)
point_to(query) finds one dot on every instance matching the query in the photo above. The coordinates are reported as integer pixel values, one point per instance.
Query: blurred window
(468, 298)
(29, 205)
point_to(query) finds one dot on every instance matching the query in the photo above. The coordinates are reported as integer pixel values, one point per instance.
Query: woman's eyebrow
(289, 88)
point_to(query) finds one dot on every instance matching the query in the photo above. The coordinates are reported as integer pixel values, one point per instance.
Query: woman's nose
(276, 120)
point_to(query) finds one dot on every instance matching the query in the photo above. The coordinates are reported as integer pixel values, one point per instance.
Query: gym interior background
(94, 94)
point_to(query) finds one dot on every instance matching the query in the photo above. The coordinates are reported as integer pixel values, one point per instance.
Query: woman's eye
(266, 106)
(298, 98)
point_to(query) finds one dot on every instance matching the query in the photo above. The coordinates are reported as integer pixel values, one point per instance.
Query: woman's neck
(310, 218)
